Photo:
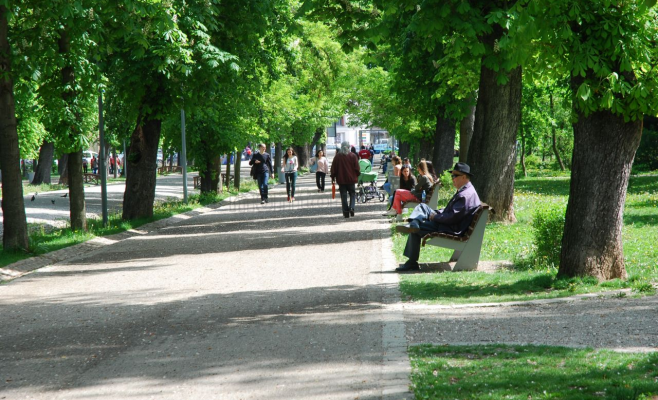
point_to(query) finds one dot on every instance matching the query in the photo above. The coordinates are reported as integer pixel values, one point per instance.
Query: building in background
(340, 131)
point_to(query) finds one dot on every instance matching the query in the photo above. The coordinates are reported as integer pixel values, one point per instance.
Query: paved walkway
(241, 301)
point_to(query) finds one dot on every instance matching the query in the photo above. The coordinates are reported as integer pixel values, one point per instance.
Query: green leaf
(649, 3)
(584, 91)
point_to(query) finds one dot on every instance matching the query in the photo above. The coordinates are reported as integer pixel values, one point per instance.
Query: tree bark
(228, 171)
(14, 236)
(425, 148)
(278, 150)
(78, 213)
(603, 153)
(210, 177)
(44, 167)
(63, 169)
(142, 162)
(405, 149)
(492, 151)
(554, 132)
(302, 154)
(465, 134)
(444, 144)
(236, 167)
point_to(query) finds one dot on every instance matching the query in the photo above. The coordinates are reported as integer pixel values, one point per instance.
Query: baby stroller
(367, 185)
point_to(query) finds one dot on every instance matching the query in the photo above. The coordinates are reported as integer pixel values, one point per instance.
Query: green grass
(44, 187)
(531, 372)
(514, 242)
(42, 241)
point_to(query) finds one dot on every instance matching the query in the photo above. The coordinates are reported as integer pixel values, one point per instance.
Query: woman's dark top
(408, 184)
(264, 166)
(424, 183)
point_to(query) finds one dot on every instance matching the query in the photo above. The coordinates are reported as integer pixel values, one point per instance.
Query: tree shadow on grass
(641, 220)
(421, 288)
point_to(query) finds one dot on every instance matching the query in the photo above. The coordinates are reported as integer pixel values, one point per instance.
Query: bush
(646, 157)
(548, 228)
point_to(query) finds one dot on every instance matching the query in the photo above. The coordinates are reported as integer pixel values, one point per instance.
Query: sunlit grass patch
(531, 372)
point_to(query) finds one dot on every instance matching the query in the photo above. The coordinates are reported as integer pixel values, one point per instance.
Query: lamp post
(101, 160)
(183, 153)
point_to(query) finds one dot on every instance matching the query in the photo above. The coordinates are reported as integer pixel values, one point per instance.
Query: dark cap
(463, 168)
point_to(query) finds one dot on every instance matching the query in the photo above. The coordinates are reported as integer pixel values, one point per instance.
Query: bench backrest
(462, 238)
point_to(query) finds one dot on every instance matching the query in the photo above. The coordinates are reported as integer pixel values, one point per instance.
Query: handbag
(333, 190)
(314, 168)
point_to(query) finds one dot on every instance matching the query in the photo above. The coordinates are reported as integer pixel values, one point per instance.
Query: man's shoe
(408, 268)
(407, 229)
(346, 214)
(351, 212)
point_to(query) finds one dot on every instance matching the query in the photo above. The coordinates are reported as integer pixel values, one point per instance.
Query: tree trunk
(116, 167)
(236, 167)
(210, 177)
(228, 170)
(465, 134)
(278, 149)
(302, 154)
(44, 167)
(425, 149)
(316, 138)
(603, 152)
(492, 151)
(444, 144)
(140, 183)
(63, 169)
(553, 132)
(14, 235)
(405, 149)
(525, 172)
(78, 213)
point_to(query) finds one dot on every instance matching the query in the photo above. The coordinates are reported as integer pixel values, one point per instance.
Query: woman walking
(425, 183)
(322, 169)
(262, 169)
(289, 166)
(345, 171)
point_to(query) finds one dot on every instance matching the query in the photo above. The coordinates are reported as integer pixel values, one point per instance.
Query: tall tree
(608, 48)
(13, 209)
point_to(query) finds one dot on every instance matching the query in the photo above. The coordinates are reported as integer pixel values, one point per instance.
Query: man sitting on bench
(453, 219)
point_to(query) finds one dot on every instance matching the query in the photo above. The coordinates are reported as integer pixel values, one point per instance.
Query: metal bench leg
(455, 255)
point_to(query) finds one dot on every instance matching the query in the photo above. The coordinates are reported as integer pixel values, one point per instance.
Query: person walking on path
(364, 154)
(322, 169)
(94, 165)
(345, 171)
(289, 166)
(453, 219)
(425, 183)
(261, 163)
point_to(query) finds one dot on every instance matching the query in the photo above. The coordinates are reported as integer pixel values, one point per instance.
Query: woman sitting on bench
(424, 184)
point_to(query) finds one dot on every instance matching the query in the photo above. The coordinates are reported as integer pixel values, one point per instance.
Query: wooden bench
(92, 178)
(197, 180)
(466, 247)
(170, 168)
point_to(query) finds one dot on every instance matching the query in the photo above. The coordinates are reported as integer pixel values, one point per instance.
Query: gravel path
(241, 301)
(622, 324)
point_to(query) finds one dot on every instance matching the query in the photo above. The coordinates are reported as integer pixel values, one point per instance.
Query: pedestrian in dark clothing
(345, 171)
(453, 219)
(262, 169)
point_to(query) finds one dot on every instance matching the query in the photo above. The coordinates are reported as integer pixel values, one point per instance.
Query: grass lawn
(514, 242)
(531, 372)
(42, 242)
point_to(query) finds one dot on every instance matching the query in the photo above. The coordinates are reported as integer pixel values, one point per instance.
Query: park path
(242, 301)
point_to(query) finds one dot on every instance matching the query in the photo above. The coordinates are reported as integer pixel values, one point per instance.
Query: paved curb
(23, 267)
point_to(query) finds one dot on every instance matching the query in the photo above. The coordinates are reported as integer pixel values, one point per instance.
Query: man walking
(345, 171)
(453, 219)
